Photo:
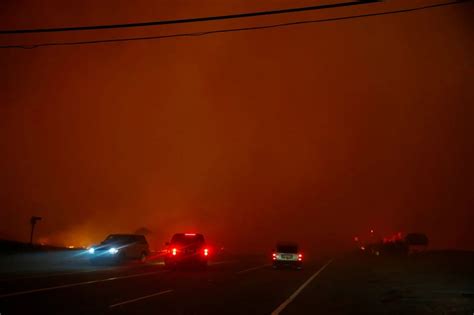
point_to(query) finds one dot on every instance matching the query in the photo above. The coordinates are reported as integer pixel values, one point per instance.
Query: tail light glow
(206, 251)
(274, 256)
(190, 234)
(300, 257)
(174, 251)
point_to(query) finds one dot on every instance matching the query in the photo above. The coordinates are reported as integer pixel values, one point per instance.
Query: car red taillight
(206, 252)
(174, 251)
(274, 256)
(300, 257)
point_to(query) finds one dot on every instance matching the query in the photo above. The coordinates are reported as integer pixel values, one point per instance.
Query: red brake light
(274, 256)
(206, 251)
(300, 257)
(190, 234)
(174, 251)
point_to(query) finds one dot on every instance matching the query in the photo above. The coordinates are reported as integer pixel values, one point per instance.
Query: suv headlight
(91, 250)
(113, 251)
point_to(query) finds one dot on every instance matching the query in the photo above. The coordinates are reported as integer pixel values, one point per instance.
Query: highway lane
(258, 291)
(435, 283)
(237, 286)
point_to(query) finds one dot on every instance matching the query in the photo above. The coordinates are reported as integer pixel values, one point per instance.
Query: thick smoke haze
(313, 133)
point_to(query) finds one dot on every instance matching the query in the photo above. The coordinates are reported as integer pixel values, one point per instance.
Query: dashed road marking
(70, 285)
(253, 268)
(140, 298)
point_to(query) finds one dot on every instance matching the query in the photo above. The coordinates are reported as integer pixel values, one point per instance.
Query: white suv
(120, 247)
(287, 255)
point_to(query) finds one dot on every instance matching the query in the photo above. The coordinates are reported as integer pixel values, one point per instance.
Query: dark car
(416, 242)
(287, 255)
(187, 249)
(120, 247)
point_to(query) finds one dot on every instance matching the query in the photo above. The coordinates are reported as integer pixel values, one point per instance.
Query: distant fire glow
(247, 146)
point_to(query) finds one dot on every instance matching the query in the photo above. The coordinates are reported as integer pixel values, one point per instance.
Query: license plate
(286, 256)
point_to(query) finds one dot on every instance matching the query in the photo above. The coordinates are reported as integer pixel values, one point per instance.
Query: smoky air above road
(313, 133)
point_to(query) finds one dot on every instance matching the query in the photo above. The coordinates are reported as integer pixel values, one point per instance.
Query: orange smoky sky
(313, 133)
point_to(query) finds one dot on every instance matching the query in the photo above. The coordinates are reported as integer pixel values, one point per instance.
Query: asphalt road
(247, 285)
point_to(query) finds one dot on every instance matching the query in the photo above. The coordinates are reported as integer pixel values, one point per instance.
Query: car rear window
(187, 239)
(292, 249)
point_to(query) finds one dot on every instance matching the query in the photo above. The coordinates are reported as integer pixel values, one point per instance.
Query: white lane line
(50, 275)
(78, 284)
(298, 291)
(140, 298)
(58, 274)
(252, 269)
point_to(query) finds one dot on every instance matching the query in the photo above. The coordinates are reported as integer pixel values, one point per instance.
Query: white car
(287, 255)
(120, 247)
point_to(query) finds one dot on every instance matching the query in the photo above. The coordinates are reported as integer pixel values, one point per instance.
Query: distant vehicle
(287, 255)
(120, 247)
(416, 242)
(187, 249)
(396, 245)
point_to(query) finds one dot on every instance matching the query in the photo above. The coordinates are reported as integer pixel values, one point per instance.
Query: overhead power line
(230, 30)
(189, 20)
